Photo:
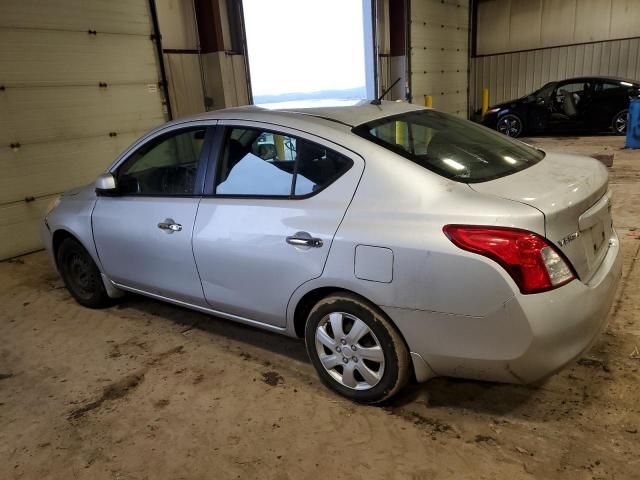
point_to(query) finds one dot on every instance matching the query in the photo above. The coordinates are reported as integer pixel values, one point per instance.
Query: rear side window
(264, 163)
(456, 149)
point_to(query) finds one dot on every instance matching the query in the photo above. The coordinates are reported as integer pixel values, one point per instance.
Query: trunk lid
(572, 193)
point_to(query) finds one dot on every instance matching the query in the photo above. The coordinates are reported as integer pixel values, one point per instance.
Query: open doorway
(309, 52)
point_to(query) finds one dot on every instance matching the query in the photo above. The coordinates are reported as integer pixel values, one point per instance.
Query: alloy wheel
(349, 351)
(620, 123)
(510, 125)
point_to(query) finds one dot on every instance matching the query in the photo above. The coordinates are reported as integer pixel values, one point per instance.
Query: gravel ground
(145, 390)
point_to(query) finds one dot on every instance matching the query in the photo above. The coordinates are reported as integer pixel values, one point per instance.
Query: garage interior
(150, 390)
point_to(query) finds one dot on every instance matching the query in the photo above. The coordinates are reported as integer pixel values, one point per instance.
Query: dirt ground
(146, 390)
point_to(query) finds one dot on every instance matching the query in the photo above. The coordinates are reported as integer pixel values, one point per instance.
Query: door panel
(136, 253)
(247, 266)
(143, 235)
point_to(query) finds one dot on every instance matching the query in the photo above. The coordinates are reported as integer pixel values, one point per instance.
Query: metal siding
(185, 83)
(557, 22)
(593, 18)
(524, 26)
(439, 54)
(51, 65)
(508, 78)
(513, 25)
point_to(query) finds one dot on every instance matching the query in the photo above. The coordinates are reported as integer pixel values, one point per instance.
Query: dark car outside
(585, 104)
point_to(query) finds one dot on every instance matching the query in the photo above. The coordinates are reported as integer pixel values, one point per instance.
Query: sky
(304, 45)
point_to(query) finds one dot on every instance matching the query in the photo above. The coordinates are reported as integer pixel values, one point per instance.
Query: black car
(595, 104)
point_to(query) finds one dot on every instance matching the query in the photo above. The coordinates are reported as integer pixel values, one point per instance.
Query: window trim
(203, 162)
(223, 131)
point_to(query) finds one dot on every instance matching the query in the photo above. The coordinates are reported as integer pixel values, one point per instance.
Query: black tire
(620, 121)
(510, 125)
(81, 275)
(394, 371)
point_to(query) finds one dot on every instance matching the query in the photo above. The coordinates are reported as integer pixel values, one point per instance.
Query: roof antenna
(378, 101)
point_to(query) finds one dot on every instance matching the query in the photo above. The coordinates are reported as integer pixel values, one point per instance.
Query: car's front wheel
(81, 275)
(355, 349)
(511, 125)
(619, 122)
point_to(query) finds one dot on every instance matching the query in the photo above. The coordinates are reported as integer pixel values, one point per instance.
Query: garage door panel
(46, 58)
(437, 12)
(50, 168)
(430, 60)
(121, 16)
(22, 223)
(439, 37)
(29, 115)
(439, 54)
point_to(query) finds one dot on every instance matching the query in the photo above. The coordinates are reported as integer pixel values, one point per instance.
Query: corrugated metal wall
(439, 44)
(513, 25)
(523, 44)
(513, 75)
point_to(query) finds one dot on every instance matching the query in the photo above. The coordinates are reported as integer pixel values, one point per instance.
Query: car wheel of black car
(510, 124)
(356, 350)
(81, 275)
(619, 122)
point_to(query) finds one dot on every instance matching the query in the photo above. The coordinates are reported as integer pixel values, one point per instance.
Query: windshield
(457, 149)
(545, 92)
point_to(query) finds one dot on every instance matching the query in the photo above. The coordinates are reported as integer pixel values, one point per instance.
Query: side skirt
(228, 316)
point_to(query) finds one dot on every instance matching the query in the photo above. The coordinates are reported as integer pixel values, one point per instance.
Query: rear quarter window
(456, 149)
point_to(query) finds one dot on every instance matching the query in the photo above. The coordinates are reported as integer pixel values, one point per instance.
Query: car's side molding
(210, 311)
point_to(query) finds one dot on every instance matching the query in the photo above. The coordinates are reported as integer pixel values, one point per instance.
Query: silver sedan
(400, 242)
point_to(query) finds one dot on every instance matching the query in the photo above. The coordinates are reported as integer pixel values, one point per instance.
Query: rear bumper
(528, 338)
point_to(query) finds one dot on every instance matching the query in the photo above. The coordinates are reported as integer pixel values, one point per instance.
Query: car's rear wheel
(81, 275)
(619, 122)
(355, 349)
(510, 124)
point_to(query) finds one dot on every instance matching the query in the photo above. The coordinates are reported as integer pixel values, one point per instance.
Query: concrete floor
(148, 390)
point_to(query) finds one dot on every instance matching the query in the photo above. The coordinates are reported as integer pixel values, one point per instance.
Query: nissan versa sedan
(596, 104)
(400, 242)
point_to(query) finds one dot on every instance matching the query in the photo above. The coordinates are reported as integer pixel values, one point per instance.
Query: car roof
(598, 77)
(345, 116)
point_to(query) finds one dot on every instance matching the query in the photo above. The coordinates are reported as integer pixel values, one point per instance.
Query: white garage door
(78, 84)
(439, 54)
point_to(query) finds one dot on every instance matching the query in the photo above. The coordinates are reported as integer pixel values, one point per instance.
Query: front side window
(456, 149)
(165, 166)
(258, 162)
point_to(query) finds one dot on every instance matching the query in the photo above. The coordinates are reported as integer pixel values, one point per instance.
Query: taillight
(531, 261)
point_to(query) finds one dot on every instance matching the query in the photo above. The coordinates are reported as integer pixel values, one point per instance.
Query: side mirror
(106, 184)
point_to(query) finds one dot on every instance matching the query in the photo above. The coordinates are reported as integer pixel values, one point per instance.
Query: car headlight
(492, 110)
(52, 204)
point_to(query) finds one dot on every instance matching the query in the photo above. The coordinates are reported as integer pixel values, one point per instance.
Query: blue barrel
(633, 124)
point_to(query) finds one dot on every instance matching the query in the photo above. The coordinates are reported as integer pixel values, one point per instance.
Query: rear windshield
(457, 149)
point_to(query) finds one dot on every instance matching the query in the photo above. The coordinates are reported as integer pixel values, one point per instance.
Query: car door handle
(170, 226)
(303, 239)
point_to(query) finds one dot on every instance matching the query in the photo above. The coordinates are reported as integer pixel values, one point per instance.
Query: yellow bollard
(485, 100)
(428, 101)
(279, 141)
(400, 133)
